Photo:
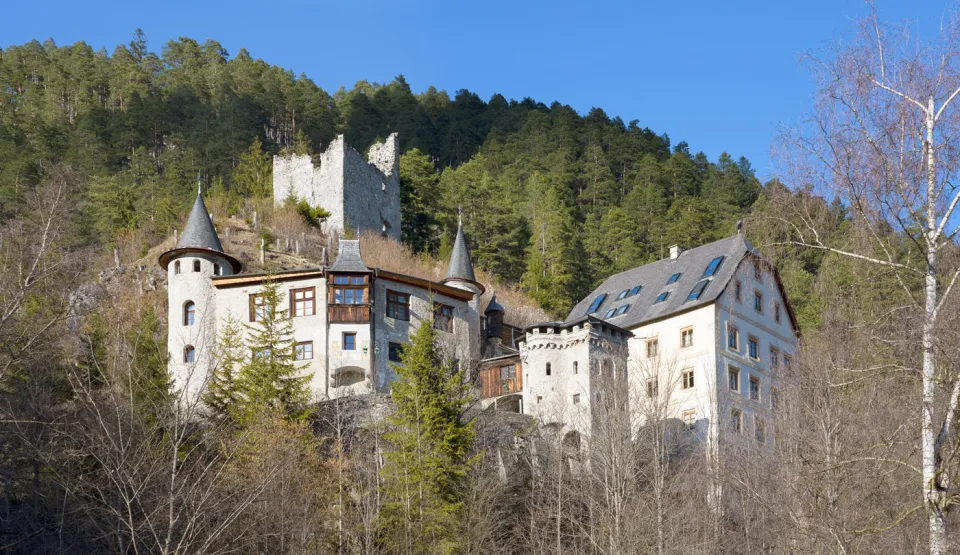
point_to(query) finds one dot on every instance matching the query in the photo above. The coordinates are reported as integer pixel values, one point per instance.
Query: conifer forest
(101, 153)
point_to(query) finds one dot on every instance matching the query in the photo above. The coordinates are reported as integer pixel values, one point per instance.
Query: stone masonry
(357, 192)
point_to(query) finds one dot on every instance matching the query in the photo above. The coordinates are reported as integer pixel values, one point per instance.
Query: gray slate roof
(460, 265)
(653, 279)
(199, 232)
(494, 305)
(349, 259)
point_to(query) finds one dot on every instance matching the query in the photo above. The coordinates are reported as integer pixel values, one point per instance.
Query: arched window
(216, 269)
(189, 354)
(189, 313)
(576, 370)
(548, 368)
(176, 267)
(196, 265)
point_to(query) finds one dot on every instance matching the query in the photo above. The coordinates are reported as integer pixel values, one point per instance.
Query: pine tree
(254, 174)
(419, 201)
(270, 378)
(430, 450)
(222, 397)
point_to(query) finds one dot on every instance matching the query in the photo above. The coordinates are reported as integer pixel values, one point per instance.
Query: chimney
(675, 252)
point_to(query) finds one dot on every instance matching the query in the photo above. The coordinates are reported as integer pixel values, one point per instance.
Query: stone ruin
(358, 193)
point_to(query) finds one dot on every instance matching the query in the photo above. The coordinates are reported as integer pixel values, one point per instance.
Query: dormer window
(349, 299)
(196, 265)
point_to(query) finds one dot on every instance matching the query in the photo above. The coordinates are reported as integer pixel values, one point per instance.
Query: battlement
(357, 192)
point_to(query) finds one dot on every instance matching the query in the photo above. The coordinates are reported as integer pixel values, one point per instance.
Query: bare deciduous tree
(883, 138)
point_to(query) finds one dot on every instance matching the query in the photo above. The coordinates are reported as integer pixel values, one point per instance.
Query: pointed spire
(494, 305)
(460, 265)
(199, 232)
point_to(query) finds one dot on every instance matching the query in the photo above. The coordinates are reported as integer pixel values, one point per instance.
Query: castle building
(350, 322)
(704, 336)
(358, 193)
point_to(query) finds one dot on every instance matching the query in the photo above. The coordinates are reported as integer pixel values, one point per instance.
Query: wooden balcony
(348, 313)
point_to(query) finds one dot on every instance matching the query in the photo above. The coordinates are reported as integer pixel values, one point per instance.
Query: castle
(705, 335)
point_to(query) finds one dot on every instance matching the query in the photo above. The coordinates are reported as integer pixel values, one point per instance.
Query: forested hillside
(559, 200)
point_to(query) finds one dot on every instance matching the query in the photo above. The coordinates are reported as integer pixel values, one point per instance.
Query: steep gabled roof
(199, 232)
(349, 259)
(653, 281)
(460, 265)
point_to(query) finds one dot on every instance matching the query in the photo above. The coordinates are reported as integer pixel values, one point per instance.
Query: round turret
(191, 300)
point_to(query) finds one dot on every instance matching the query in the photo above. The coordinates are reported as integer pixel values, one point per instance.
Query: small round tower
(460, 275)
(191, 307)
(494, 315)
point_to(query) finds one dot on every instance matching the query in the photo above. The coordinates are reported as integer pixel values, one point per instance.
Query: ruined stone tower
(357, 192)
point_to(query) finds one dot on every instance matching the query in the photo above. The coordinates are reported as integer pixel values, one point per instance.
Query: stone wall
(356, 192)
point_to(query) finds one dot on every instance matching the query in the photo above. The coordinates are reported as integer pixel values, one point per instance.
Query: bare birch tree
(883, 138)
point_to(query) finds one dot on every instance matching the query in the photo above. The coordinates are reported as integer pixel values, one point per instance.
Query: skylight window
(595, 305)
(662, 297)
(697, 290)
(623, 294)
(634, 291)
(713, 267)
(609, 313)
(673, 278)
(622, 310)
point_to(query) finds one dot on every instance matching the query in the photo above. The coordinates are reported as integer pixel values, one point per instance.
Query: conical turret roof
(460, 265)
(199, 232)
(494, 305)
(199, 235)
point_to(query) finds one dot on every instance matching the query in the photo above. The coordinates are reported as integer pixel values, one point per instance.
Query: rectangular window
(689, 419)
(776, 312)
(733, 338)
(733, 378)
(398, 305)
(754, 388)
(348, 280)
(653, 348)
(576, 367)
(713, 267)
(395, 352)
(508, 372)
(609, 313)
(576, 398)
(753, 347)
(758, 302)
(652, 387)
(349, 342)
(774, 357)
(736, 420)
(622, 310)
(549, 369)
(759, 429)
(623, 294)
(258, 308)
(674, 278)
(662, 297)
(697, 291)
(774, 399)
(343, 295)
(686, 338)
(443, 317)
(635, 290)
(304, 301)
(787, 362)
(304, 350)
(757, 272)
(595, 305)
(738, 291)
(686, 379)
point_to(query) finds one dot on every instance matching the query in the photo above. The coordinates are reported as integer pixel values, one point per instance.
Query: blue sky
(719, 75)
